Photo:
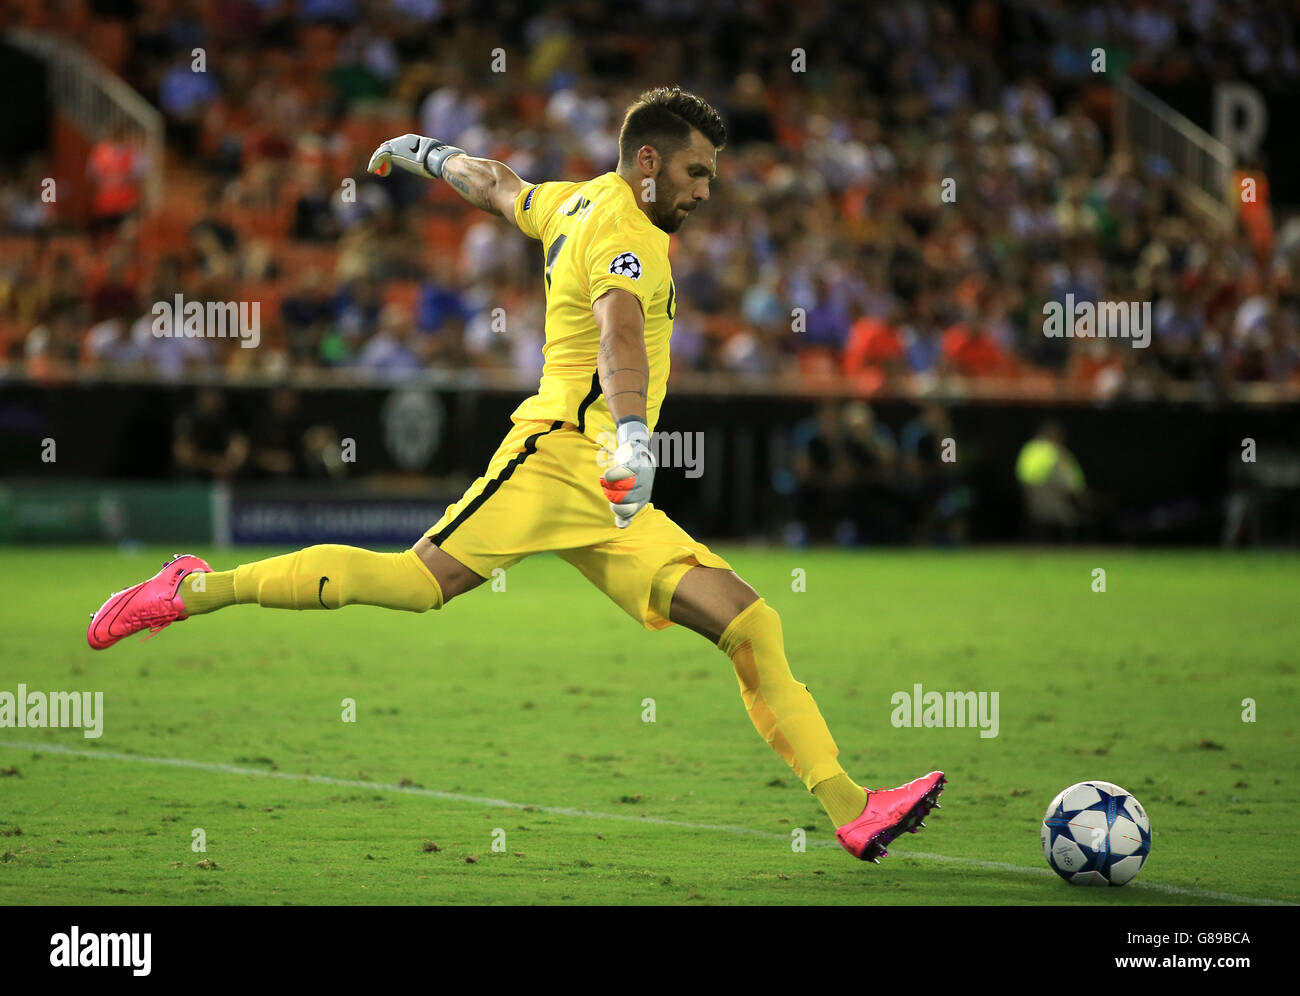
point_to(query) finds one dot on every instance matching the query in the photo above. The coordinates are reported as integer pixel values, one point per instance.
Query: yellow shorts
(541, 494)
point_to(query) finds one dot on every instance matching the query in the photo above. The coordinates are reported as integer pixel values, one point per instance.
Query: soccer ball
(1096, 833)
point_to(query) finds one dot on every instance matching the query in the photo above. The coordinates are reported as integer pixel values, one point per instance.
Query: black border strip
(489, 489)
(592, 395)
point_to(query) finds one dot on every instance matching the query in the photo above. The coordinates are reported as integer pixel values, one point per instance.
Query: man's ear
(648, 158)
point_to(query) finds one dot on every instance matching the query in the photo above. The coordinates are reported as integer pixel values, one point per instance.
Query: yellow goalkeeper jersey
(594, 238)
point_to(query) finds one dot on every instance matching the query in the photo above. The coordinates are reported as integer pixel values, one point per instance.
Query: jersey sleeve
(630, 259)
(535, 204)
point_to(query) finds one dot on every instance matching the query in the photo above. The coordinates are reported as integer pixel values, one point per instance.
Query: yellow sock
(780, 708)
(328, 576)
(207, 591)
(842, 798)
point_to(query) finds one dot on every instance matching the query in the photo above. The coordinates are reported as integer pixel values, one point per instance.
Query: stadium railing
(96, 101)
(1201, 164)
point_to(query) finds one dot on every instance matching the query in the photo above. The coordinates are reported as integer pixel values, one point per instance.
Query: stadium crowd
(896, 204)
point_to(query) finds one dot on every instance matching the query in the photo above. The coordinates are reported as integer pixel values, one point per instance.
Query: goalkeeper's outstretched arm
(485, 183)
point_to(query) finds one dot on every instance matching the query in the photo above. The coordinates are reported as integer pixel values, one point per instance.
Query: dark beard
(670, 224)
(667, 220)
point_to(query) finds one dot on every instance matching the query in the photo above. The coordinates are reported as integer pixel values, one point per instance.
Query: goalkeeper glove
(630, 477)
(413, 153)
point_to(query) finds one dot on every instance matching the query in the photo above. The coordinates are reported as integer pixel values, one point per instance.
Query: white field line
(478, 800)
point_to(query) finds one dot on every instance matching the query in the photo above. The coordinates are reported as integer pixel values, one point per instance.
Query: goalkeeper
(610, 302)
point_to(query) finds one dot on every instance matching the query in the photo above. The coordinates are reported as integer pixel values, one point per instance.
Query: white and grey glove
(631, 473)
(413, 153)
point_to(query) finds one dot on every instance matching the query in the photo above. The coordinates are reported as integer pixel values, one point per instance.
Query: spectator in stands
(108, 346)
(115, 169)
(115, 295)
(489, 304)
(357, 305)
(748, 120)
(440, 299)
(874, 353)
(581, 110)
(63, 291)
(357, 207)
(970, 351)
(313, 216)
(1178, 327)
(206, 442)
(308, 313)
(829, 200)
(52, 346)
(24, 206)
(761, 305)
(922, 341)
(214, 243)
(828, 317)
(395, 350)
(451, 110)
(167, 357)
(367, 65)
(228, 118)
(338, 12)
(184, 94)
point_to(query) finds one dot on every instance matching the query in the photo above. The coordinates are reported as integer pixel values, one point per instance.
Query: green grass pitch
(521, 711)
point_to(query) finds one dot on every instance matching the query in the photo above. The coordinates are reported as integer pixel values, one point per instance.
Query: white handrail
(1201, 163)
(98, 100)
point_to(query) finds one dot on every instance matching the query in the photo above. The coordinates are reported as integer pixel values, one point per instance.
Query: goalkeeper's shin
(331, 576)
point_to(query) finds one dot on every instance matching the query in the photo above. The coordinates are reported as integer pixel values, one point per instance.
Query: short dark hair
(663, 118)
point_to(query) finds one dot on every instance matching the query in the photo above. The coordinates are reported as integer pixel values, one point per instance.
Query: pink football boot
(152, 604)
(889, 813)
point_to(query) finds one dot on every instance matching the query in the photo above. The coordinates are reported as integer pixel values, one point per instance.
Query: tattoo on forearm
(467, 178)
(621, 346)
